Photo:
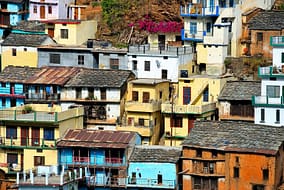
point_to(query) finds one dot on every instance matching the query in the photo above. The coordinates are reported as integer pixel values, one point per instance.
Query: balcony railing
(152, 106)
(160, 49)
(194, 109)
(268, 101)
(186, 35)
(151, 183)
(81, 160)
(41, 97)
(20, 115)
(10, 142)
(199, 10)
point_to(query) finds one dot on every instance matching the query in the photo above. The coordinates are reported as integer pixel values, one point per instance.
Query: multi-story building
(268, 107)
(105, 154)
(152, 167)
(194, 98)
(29, 133)
(232, 155)
(101, 92)
(49, 9)
(214, 27)
(143, 108)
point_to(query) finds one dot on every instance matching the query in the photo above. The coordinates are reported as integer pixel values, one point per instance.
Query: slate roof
(155, 153)
(267, 20)
(30, 26)
(240, 90)
(96, 138)
(17, 74)
(100, 78)
(33, 40)
(235, 136)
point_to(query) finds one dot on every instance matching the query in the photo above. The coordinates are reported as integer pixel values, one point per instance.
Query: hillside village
(94, 98)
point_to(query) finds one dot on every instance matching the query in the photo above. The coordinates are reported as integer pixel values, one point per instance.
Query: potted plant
(27, 109)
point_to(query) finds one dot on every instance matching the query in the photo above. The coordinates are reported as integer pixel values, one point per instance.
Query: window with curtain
(48, 133)
(273, 91)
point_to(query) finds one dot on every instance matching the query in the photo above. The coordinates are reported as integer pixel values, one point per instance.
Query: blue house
(102, 154)
(11, 12)
(12, 88)
(154, 167)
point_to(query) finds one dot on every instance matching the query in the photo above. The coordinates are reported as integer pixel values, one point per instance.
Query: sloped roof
(16, 39)
(155, 153)
(240, 90)
(235, 136)
(267, 20)
(17, 74)
(96, 138)
(100, 78)
(53, 75)
(31, 26)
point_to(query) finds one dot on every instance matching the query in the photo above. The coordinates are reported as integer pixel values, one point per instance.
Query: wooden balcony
(185, 109)
(151, 106)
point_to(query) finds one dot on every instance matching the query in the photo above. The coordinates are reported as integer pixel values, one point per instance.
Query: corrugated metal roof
(53, 75)
(96, 138)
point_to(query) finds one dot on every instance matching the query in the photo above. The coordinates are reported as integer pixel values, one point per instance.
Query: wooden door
(35, 137)
(42, 12)
(50, 32)
(24, 136)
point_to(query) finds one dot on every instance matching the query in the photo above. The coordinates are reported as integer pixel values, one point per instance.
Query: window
(141, 122)
(134, 65)
(277, 116)
(39, 160)
(114, 63)
(236, 172)
(199, 153)
(3, 102)
(25, 49)
(259, 36)
(35, 9)
(49, 9)
(258, 187)
(80, 59)
(186, 95)
(48, 133)
(146, 97)
(147, 66)
(134, 95)
(14, 52)
(64, 33)
(160, 94)
(164, 74)
(176, 121)
(193, 28)
(205, 95)
(262, 115)
(282, 57)
(208, 27)
(237, 160)
(183, 73)
(103, 93)
(214, 154)
(12, 158)
(265, 174)
(11, 132)
(273, 91)
(130, 120)
(54, 58)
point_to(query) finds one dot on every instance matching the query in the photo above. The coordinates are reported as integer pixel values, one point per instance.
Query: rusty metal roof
(53, 75)
(96, 138)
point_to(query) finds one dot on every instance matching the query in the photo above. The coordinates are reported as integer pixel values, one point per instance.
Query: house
(235, 100)
(262, 26)
(232, 155)
(214, 29)
(29, 133)
(68, 56)
(101, 92)
(20, 49)
(45, 86)
(104, 153)
(12, 90)
(152, 167)
(193, 98)
(143, 108)
(12, 12)
(268, 106)
(49, 10)
(71, 32)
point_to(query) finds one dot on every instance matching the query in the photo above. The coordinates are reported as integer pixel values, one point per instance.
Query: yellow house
(20, 49)
(143, 108)
(29, 133)
(71, 32)
(194, 98)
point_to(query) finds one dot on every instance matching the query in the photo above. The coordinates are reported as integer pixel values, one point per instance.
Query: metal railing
(160, 49)
(26, 142)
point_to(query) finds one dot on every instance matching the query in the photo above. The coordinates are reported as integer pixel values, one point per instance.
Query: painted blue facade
(43, 93)
(11, 95)
(152, 175)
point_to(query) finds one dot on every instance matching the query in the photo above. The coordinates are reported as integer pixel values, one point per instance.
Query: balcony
(152, 106)
(145, 130)
(42, 97)
(266, 101)
(151, 183)
(185, 109)
(9, 142)
(93, 161)
(35, 116)
(106, 181)
(277, 40)
(198, 37)
(198, 10)
(271, 71)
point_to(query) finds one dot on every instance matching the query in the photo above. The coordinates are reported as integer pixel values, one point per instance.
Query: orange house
(232, 156)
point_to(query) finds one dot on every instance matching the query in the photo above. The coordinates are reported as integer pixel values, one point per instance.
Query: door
(190, 123)
(35, 137)
(76, 12)
(160, 179)
(50, 32)
(162, 42)
(24, 136)
(186, 95)
(42, 12)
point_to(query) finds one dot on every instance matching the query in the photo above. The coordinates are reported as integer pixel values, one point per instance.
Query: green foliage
(281, 6)
(96, 4)
(27, 109)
